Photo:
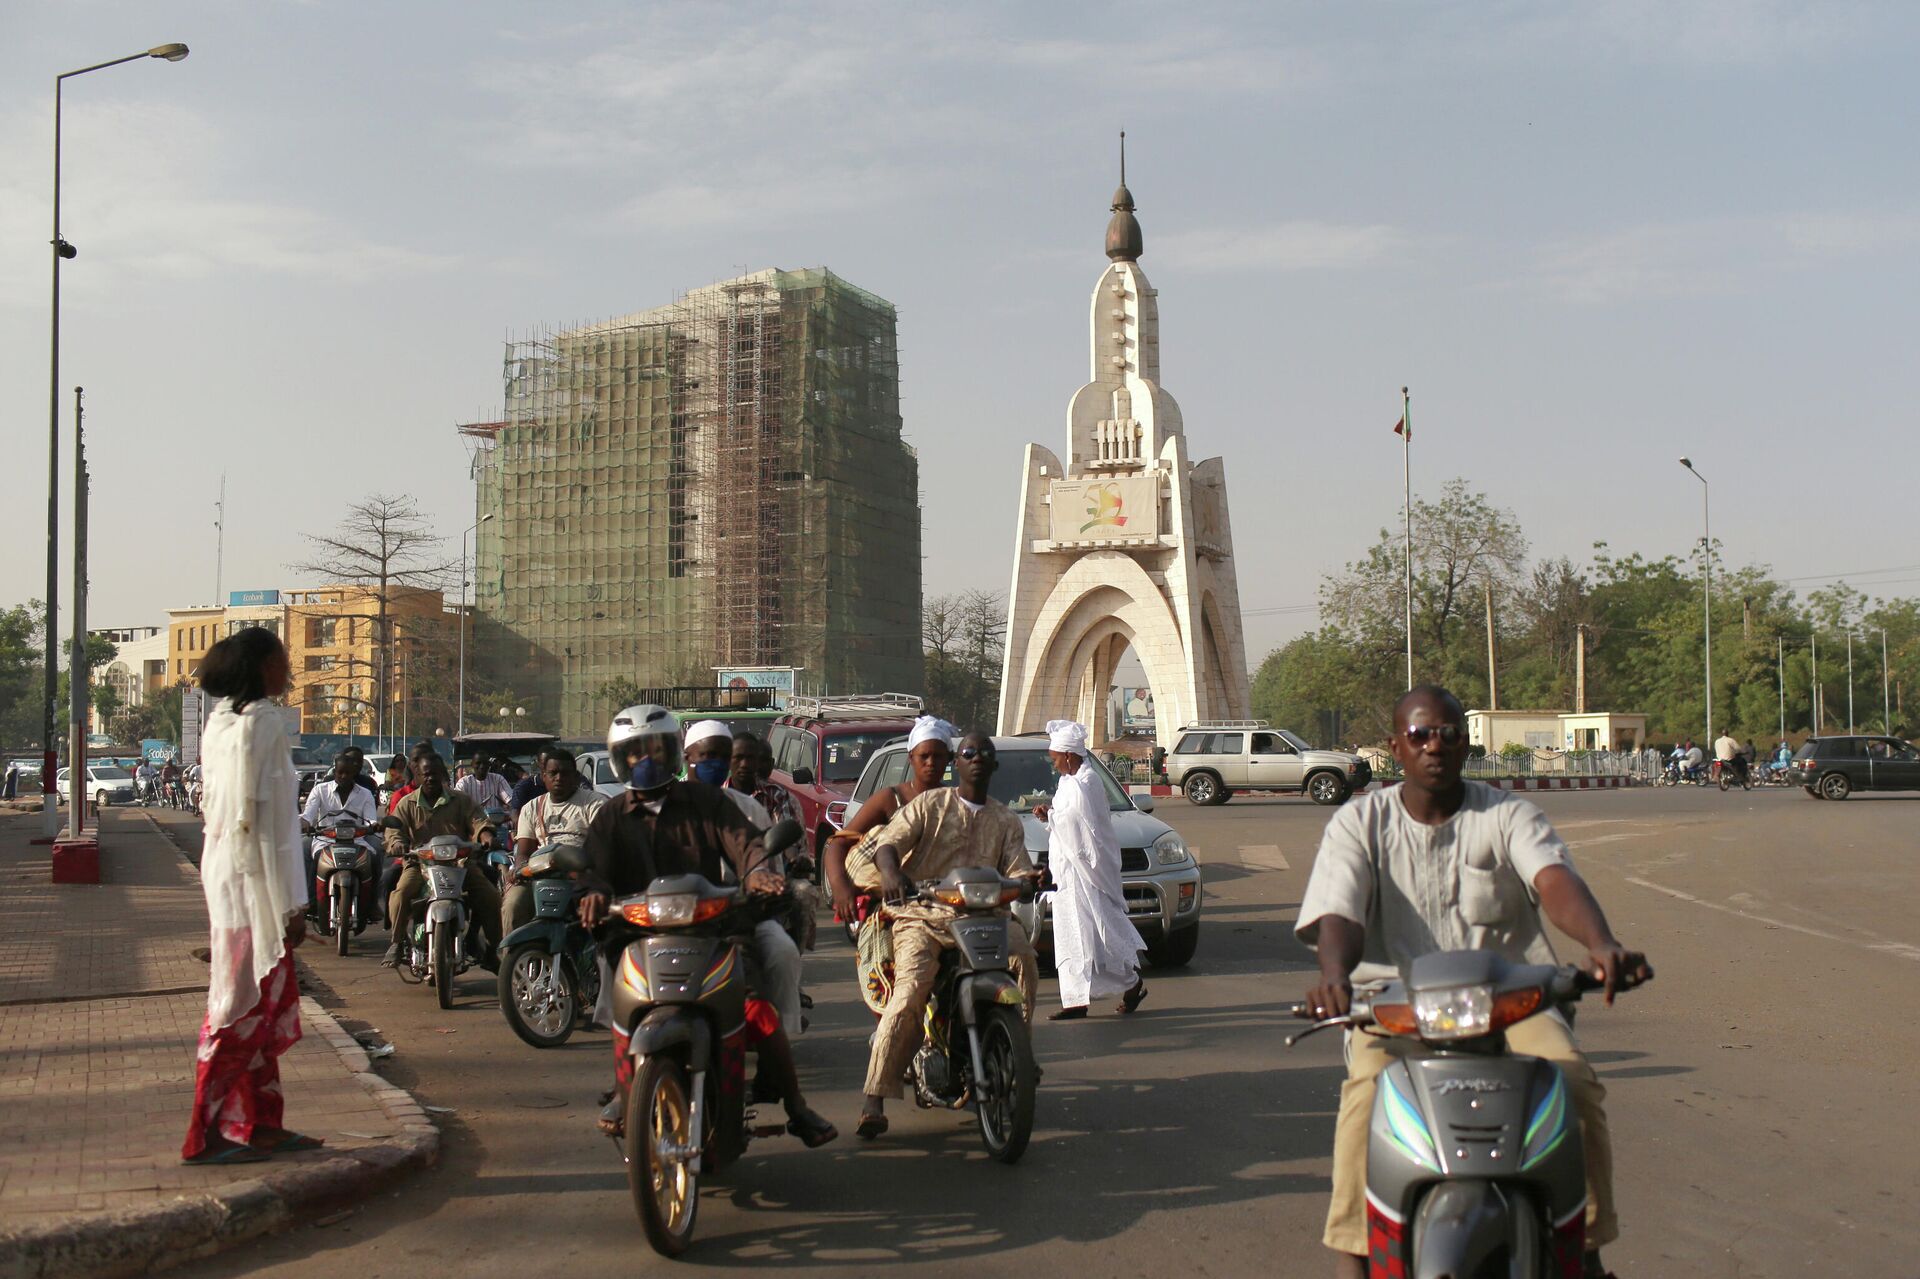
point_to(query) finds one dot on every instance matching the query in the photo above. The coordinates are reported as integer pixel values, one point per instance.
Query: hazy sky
(1591, 237)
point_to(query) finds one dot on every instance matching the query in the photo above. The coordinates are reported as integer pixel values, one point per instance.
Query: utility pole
(1493, 682)
(1580, 669)
(219, 539)
(1814, 639)
(1406, 480)
(1746, 620)
(77, 778)
(1780, 664)
(1886, 704)
(1849, 683)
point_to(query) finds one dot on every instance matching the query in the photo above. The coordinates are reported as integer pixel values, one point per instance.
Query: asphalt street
(1762, 1089)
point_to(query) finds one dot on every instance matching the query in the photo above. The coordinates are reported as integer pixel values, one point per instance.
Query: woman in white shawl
(255, 879)
(1096, 948)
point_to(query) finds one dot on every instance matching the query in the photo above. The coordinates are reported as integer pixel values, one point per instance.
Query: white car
(109, 783)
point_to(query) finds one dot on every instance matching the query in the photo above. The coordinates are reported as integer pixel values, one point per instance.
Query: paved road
(1761, 1127)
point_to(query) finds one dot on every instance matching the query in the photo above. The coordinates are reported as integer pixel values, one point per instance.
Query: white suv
(1212, 762)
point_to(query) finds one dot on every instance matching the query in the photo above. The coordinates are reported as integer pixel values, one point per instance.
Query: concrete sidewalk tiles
(101, 1001)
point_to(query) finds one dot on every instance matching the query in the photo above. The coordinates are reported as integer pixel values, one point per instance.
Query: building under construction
(720, 482)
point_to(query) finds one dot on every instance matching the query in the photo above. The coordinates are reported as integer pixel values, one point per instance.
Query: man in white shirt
(557, 815)
(1438, 863)
(341, 798)
(486, 788)
(1730, 755)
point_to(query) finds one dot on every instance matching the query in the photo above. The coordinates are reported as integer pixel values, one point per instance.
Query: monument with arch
(1126, 544)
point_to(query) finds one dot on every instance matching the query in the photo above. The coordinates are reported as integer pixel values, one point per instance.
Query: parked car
(823, 744)
(1835, 767)
(1212, 762)
(108, 784)
(1159, 876)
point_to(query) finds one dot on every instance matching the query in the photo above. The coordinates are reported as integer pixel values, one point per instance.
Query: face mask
(648, 774)
(711, 771)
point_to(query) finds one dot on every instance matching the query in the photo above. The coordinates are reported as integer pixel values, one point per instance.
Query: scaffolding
(718, 482)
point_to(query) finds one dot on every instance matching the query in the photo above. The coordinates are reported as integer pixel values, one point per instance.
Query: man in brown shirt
(939, 830)
(433, 808)
(665, 826)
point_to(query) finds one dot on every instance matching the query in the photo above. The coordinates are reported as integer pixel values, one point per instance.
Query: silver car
(1158, 873)
(1212, 762)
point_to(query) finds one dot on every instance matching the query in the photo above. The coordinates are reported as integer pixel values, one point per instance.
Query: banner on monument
(1115, 510)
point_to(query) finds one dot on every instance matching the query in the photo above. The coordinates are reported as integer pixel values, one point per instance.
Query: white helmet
(635, 723)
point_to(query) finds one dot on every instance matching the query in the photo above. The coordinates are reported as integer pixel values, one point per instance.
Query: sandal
(1068, 1014)
(291, 1143)
(230, 1155)
(1131, 1000)
(871, 1125)
(811, 1129)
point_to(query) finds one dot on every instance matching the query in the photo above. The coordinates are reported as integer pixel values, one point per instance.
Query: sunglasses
(1418, 734)
(976, 752)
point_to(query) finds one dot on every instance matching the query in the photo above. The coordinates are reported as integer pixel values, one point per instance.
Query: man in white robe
(1096, 948)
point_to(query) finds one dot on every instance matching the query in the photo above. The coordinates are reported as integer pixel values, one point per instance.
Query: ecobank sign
(252, 599)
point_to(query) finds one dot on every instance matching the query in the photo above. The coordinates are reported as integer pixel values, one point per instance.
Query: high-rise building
(719, 483)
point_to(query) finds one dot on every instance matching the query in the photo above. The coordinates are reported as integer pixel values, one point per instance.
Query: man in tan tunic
(940, 830)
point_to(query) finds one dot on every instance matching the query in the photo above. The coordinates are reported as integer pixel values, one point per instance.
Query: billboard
(777, 678)
(1119, 510)
(1136, 711)
(193, 718)
(252, 599)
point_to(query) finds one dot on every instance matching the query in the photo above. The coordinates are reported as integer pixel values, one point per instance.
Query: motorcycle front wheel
(442, 962)
(1005, 1097)
(342, 919)
(666, 1190)
(537, 996)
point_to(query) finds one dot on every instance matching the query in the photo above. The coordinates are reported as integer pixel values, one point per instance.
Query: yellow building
(330, 635)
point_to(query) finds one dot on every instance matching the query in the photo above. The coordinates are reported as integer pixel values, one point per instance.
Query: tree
(964, 639)
(22, 676)
(383, 544)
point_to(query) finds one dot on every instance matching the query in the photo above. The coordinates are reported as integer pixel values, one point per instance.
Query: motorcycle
(989, 1066)
(548, 970)
(1733, 772)
(441, 946)
(678, 989)
(1474, 1158)
(343, 880)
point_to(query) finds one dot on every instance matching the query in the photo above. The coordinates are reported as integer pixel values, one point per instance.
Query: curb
(108, 1245)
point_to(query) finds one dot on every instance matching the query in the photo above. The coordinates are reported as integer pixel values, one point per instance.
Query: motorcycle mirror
(803, 777)
(784, 835)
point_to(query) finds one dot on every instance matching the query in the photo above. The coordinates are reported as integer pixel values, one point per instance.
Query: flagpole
(1406, 479)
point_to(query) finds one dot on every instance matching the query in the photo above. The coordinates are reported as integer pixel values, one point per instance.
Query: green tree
(22, 676)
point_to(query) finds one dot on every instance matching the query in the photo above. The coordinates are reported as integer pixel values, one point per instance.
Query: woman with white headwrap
(1095, 946)
(929, 753)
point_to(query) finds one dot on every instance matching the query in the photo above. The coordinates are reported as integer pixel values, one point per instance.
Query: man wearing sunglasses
(939, 830)
(1441, 863)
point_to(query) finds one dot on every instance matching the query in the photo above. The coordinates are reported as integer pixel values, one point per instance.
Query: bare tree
(384, 544)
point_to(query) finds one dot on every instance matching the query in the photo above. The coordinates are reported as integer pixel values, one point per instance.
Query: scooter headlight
(669, 909)
(1457, 1012)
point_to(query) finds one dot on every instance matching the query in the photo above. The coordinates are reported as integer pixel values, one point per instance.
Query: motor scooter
(440, 946)
(1474, 1159)
(679, 992)
(548, 973)
(990, 1064)
(343, 880)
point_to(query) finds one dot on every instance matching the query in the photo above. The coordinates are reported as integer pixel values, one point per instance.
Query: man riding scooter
(340, 801)
(662, 825)
(434, 808)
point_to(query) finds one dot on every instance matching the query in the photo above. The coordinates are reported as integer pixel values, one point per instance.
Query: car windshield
(110, 773)
(844, 755)
(1026, 778)
(1298, 742)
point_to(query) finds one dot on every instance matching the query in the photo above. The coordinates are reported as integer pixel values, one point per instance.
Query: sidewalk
(101, 999)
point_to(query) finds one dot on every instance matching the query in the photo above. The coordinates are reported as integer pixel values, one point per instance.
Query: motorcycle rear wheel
(1005, 1097)
(442, 962)
(342, 920)
(666, 1190)
(544, 1020)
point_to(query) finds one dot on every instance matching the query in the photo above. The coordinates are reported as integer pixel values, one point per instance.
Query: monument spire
(1123, 229)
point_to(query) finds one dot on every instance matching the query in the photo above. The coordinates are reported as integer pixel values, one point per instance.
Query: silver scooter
(438, 949)
(345, 866)
(1474, 1160)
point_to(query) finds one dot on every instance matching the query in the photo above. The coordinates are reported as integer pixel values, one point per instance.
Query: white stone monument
(1127, 543)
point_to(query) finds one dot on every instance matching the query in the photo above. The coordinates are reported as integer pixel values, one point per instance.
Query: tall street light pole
(1886, 686)
(62, 251)
(460, 715)
(1706, 589)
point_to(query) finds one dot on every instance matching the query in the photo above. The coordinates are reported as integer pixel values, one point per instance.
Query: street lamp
(1706, 589)
(460, 716)
(62, 251)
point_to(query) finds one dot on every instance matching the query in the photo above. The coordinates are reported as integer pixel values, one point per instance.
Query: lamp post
(460, 714)
(62, 251)
(1886, 686)
(1706, 589)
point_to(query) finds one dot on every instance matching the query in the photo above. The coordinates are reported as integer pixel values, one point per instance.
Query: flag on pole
(1401, 428)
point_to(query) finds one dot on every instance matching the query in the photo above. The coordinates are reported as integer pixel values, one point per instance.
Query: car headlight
(1457, 1012)
(1171, 850)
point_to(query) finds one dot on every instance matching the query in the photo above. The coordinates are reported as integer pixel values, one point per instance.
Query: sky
(1589, 237)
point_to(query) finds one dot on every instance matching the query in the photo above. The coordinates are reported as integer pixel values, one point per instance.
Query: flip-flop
(1131, 1000)
(871, 1126)
(812, 1129)
(292, 1143)
(231, 1155)
(1068, 1014)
